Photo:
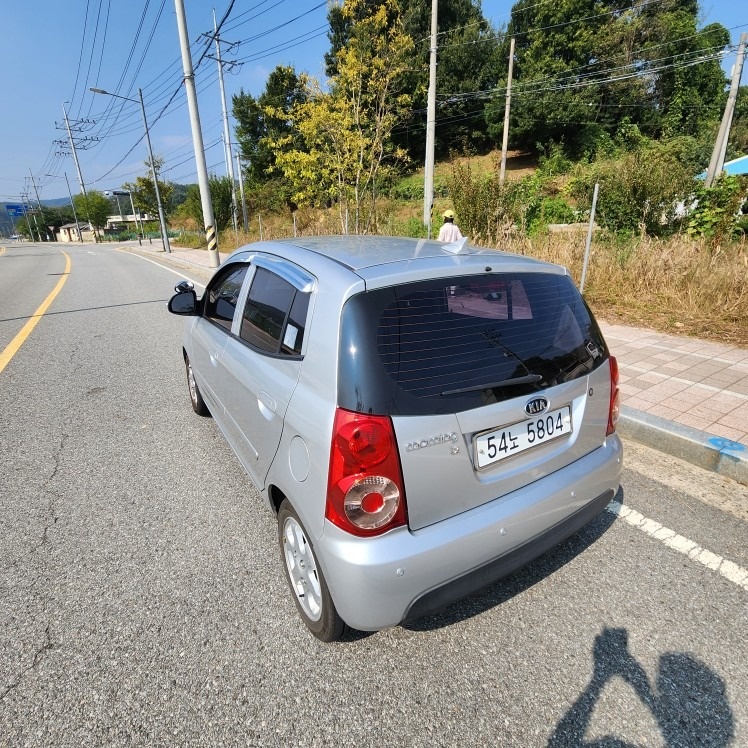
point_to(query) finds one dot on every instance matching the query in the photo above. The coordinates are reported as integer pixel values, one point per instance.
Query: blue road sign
(17, 211)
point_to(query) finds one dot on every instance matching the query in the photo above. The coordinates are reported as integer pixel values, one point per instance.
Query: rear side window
(455, 344)
(275, 314)
(223, 294)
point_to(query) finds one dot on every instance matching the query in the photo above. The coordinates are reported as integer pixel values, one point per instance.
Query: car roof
(361, 252)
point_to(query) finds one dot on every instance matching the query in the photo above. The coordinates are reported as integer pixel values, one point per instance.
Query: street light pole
(161, 218)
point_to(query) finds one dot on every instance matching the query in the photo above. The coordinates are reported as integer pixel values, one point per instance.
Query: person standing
(449, 232)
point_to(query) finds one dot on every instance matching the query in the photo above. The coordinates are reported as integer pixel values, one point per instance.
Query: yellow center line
(25, 331)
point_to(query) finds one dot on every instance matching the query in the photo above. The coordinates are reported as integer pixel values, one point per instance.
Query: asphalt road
(142, 600)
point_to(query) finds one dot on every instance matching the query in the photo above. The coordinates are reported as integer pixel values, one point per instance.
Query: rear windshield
(453, 344)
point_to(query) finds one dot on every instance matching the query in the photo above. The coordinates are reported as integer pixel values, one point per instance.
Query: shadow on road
(689, 704)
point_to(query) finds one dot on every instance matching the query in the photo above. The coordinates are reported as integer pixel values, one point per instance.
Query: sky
(52, 52)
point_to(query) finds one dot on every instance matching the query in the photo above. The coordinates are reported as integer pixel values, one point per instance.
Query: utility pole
(77, 167)
(227, 150)
(428, 181)
(39, 203)
(241, 188)
(720, 146)
(507, 107)
(72, 205)
(197, 136)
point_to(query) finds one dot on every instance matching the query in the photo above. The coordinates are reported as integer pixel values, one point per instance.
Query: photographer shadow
(689, 703)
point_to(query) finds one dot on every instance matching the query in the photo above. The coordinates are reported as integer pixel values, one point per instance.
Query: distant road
(142, 599)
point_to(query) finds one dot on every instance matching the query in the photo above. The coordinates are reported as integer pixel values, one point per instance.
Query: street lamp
(72, 204)
(162, 220)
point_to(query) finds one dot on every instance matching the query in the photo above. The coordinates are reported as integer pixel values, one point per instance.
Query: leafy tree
(738, 143)
(468, 62)
(347, 133)
(582, 67)
(92, 207)
(221, 199)
(144, 192)
(642, 191)
(267, 118)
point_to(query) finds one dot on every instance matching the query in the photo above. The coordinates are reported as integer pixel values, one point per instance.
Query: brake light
(365, 493)
(615, 397)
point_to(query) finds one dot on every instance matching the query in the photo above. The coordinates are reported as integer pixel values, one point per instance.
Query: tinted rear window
(449, 345)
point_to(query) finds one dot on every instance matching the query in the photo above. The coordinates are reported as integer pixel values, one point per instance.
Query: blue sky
(53, 51)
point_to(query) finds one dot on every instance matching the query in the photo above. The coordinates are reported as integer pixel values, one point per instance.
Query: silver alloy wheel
(192, 384)
(302, 569)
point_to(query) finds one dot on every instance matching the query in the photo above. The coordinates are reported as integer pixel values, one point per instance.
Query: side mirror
(184, 301)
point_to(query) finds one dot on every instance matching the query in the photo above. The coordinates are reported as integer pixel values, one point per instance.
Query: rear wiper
(528, 379)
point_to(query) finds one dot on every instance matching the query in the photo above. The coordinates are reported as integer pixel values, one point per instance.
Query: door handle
(266, 404)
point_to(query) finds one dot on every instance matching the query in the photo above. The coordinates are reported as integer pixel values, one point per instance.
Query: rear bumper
(403, 575)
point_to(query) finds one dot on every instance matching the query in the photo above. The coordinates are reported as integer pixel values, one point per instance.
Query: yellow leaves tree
(346, 131)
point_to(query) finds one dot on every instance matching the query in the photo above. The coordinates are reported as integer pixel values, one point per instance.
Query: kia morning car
(422, 419)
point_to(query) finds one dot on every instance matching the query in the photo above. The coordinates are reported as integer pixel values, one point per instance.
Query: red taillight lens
(615, 397)
(365, 486)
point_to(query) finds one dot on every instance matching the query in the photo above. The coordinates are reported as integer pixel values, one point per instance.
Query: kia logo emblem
(536, 406)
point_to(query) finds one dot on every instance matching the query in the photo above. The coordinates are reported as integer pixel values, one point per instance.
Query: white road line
(181, 274)
(729, 570)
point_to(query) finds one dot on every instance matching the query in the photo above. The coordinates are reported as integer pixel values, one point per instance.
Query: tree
(267, 118)
(93, 207)
(220, 197)
(583, 67)
(144, 193)
(347, 133)
(468, 62)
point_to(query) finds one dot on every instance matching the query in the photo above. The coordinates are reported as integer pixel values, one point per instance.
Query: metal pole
(161, 219)
(138, 228)
(505, 136)
(717, 160)
(589, 238)
(226, 132)
(241, 188)
(197, 137)
(428, 181)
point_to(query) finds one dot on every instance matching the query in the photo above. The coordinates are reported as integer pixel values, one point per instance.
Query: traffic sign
(16, 210)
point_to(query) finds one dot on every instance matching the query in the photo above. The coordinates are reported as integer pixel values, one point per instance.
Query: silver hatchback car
(423, 419)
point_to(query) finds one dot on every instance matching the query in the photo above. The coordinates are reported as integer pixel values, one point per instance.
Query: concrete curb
(710, 452)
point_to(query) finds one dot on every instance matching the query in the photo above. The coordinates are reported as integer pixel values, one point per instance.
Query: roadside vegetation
(624, 95)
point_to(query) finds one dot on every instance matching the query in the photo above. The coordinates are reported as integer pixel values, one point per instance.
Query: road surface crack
(46, 646)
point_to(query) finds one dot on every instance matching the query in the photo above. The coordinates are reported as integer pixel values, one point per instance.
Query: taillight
(365, 486)
(615, 397)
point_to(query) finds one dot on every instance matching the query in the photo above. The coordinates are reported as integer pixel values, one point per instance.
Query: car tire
(305, 578)
(198, 404)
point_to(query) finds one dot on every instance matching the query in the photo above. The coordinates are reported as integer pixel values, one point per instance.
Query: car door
(212, 331)
(262, 360)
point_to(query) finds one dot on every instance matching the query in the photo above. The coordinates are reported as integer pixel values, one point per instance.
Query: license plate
(492, 446)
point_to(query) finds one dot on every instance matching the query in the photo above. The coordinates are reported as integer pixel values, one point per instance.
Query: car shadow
(521, 580)
(688, 701)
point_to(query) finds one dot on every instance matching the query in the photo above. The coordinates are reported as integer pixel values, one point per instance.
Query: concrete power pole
(197, 137)
(78, 168)
(507, 107)
(428, 180)
(720, 146)
(227, 150)
(39, 203)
